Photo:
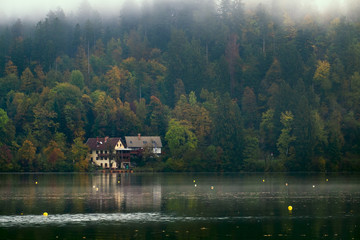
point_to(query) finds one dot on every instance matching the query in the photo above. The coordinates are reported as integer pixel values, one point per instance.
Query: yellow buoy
(263, 180)
(36, 182)
(212, 187)
(118, 181)
(45, 214)
(194, 181)
(327, 180)
(290, 208)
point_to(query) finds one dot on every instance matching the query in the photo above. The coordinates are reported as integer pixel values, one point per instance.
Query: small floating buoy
(313, 186)
(286, 184)
(21, 214)
(97, 189)
(327, 180)
(212, 187)
(118, 181)
(195, 185)
(94, 186)
(45, 214)
(290, 208)
(36, 182)
(194, 180)
(263, 180)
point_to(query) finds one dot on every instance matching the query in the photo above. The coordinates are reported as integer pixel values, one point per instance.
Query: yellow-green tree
(78, 154)
(115, 79)
(29, 83)
(181, 141)
(322, 76)
(286, 137)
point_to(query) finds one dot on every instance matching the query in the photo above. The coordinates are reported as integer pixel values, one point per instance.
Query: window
(144, 142)
(106, 165)
(101, 165)
(101, 151)
(105, 158)
(102, 158)
(97, 152)
(97, 158)
(90, 151)
(105, 151)
(130, 141)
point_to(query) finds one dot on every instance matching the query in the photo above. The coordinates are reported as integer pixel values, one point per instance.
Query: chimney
(106, 138)
(139, 136)
(97, 140)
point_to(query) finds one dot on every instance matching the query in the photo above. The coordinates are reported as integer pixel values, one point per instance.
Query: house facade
(139, 143)
(108, 153)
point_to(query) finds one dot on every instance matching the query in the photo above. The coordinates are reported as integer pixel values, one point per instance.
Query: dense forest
(226, 86)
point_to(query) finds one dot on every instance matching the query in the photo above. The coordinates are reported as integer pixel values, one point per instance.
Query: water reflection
(142, 206)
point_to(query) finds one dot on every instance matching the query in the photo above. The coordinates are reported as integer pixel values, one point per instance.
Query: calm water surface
(179, 206)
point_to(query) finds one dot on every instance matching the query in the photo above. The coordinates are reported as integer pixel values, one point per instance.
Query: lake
(179, 206)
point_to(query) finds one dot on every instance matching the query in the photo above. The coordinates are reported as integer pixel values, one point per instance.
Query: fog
(36, 10)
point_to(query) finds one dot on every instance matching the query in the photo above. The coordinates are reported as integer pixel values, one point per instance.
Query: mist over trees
(226, 86)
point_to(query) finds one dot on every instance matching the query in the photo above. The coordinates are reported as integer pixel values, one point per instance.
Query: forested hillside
(228, 88)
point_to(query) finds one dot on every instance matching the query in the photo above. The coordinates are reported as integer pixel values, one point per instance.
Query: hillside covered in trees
(228, 88)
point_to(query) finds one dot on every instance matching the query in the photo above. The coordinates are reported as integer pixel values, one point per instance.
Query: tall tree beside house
(181, 141)
(78, 155)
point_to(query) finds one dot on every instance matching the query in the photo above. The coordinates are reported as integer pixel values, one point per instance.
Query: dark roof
(101, 144)
(140, 142)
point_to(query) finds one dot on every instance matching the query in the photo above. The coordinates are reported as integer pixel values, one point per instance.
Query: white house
(108, 152)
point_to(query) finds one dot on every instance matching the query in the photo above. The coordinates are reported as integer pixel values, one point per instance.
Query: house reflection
(124, 193)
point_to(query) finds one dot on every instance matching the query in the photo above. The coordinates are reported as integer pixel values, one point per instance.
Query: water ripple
(107, 218)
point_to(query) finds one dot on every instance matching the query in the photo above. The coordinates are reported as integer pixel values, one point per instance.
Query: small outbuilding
(139, 143)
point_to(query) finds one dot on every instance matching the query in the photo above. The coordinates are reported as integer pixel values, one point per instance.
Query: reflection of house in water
(122, 193)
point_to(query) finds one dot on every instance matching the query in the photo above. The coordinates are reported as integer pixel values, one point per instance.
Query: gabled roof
(102, 143)
(142, 141)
